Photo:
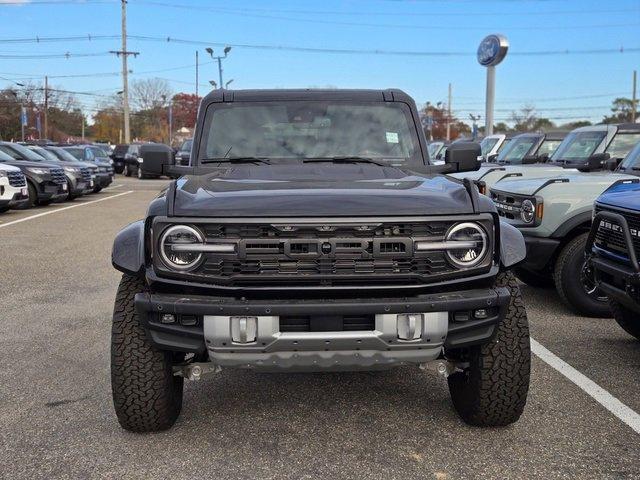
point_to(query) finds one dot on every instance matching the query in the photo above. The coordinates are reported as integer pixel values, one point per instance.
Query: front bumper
(13, 197)
(103, 180)
(615, 275)
(448, 321)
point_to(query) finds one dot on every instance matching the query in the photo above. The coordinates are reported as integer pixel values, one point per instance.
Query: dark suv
(310, 233)
(46, 181)
(97, 156)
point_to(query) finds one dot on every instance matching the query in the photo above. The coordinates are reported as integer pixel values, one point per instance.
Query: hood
(318, 190)
(5, 167)
(624, 195)
(26, 164)
(531, 186)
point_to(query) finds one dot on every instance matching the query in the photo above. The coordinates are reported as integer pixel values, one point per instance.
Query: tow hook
(195, 371)
(444, 368)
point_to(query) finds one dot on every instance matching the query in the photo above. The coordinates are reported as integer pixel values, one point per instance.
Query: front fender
(512, 247)
(128, 249)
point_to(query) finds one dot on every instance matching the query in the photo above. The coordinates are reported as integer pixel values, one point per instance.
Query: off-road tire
(139, 174)
(146, 395)
(567, 277)
(627, 319)
(534, 279)
(492, 390)
(126, 171)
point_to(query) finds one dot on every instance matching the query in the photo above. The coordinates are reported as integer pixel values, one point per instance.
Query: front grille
(17, 179)
(58, 176)
(610, 236)
(327, 323)
(508, 205)
(362, 253)
(86, 174)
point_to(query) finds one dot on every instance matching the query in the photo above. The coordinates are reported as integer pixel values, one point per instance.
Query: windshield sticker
(392, 137)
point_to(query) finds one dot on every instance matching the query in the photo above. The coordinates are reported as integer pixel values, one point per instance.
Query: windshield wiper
(236, 160)
(346, 159)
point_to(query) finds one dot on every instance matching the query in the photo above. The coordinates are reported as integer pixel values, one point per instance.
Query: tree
(185, 110)
(573, 125)
(434, 119)
(526, 120)
(621, 111)
(150, 94)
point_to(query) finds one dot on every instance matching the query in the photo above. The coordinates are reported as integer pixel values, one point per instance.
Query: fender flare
(127, 254)
(573, 222)
(512, 247)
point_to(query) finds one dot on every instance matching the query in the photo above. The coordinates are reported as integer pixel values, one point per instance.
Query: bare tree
(150, 94)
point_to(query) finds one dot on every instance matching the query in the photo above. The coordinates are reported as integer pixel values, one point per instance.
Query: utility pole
(449, 115)
(634, 98)
(46, 106)
(219, 58)
(82, 116)
(197, 74)
(124, 53)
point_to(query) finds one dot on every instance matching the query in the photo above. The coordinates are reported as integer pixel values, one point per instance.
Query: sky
(564, 58)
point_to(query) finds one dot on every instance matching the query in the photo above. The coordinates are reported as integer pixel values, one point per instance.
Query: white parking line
(595, 391)
(113, 187)
(62, 209)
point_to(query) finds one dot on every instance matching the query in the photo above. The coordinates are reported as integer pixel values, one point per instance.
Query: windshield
(578, 146)
(76, 152)
(487, 144)
(62, 154)
(434, 148)
(517, 149)
(19, 152)
(4, 157)
(186, 146)
(310, 129)
(548, 147)
(44, 154)
(632, 160)
(98, 151)
(622, 144)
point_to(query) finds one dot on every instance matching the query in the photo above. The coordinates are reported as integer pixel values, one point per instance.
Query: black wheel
(118, 169)
(575, 282)
(33, 194)
(492, 390)
(126, 171)
(627, 319)
(70, 196)
(4, 209)
(534, 279)
(97, 189)
(141, 175)
(146, 395)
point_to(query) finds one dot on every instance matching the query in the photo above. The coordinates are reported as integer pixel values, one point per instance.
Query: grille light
(528, 211)
(177, 247)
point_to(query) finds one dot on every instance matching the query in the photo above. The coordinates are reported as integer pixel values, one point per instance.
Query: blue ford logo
(492, 50)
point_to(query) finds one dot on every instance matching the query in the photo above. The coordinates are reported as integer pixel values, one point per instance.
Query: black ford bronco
(310, 233)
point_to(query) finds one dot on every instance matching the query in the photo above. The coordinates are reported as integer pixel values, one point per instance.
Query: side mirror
(593, 163)
(157, 158)
(611, 164)
(543, 158)
(492, 158)
(463, 156)
(529, 159)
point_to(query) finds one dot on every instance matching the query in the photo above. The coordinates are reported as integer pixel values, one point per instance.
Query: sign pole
(490, 100)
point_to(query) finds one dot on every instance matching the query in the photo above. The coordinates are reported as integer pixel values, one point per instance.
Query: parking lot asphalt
(57, 288)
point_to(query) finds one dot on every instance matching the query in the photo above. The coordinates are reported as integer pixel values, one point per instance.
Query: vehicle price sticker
(392, 137)
(64, 187)
(24, 192)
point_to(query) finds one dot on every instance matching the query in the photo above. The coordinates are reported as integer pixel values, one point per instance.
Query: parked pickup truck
(613, 249)
(585, 148)
(13, 185)
(310, 233)
(554, 214)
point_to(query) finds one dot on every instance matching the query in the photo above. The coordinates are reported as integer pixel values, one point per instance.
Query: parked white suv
(13, 186)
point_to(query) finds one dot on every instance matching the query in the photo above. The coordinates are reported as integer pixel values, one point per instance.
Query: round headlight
(473, 244)
(174, 247)
(528, 211)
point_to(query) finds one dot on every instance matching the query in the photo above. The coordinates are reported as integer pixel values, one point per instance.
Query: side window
(548, 147)
(622, 144)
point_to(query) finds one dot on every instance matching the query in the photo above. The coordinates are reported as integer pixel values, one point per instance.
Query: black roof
(389, 95)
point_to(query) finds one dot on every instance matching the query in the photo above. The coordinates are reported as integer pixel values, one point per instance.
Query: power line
(44, 56)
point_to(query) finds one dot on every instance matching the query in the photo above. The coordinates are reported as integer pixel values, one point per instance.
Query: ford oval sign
(492, 50)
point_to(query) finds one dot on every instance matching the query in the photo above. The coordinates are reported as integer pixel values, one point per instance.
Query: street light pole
(226, 50)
